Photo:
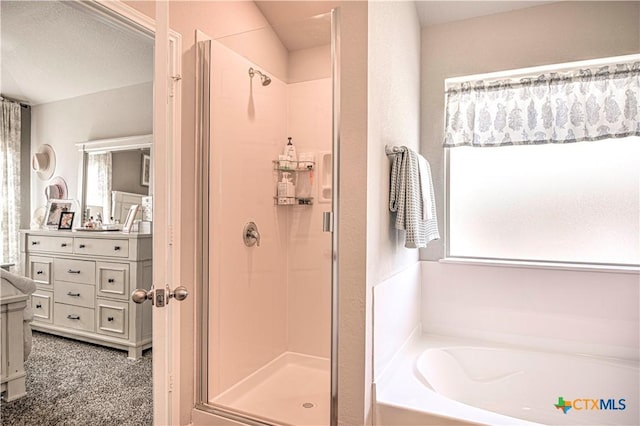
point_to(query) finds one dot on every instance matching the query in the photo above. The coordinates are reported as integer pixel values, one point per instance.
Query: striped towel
(410, 196)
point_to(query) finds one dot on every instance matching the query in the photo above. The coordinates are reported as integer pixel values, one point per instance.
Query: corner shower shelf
(293, 167)
(292, 201)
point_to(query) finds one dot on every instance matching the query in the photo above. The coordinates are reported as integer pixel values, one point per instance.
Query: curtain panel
(578, 105)
(99, 175)
(10, 134)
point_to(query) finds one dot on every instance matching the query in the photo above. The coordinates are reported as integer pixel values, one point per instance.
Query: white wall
(393, 119)
(248, 285)
(556, 310)
(547, 34)
(308, 248)
(114, 113)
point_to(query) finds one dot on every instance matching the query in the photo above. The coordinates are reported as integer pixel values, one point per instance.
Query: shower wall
(309, 249)
(274, 298)
(248, 284)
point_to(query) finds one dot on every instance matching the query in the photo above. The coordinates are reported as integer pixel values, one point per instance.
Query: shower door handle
(327, 221)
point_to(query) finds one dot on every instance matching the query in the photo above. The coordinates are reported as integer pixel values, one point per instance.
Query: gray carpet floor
(75, 383)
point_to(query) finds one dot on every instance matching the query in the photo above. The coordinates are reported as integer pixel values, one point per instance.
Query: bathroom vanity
(84, 280)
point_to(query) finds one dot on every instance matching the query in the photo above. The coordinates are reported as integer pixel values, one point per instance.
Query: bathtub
(444, 381)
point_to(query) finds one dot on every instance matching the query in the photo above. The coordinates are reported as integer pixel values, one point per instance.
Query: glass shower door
(267, 309)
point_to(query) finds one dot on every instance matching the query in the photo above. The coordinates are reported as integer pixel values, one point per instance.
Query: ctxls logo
(590, 404)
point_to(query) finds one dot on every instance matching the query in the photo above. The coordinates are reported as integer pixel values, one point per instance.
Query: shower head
(266, 80)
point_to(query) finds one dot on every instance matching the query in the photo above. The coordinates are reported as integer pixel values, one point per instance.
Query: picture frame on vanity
(66, 221)
(145, 170)
(131, 216)
(55, 208)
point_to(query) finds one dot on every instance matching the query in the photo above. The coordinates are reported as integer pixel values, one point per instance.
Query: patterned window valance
(579, 105)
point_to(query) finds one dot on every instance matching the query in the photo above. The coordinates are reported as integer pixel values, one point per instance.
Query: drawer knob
(73, 317)
(111, 280)
(63, 245)
(39, 272)
(116, 248)
(71, 271)
(35, 243)
(109, 319)
(39, 306)
(82, 246)
(69, 293)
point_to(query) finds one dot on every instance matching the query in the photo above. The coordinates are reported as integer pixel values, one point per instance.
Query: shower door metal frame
(203, 170)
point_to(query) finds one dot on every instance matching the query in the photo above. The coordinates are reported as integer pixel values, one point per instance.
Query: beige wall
(548, 34)
(393, 119)
(110, 114)
(354, 349)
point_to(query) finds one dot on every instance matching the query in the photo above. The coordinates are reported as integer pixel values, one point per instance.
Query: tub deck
(404, 397)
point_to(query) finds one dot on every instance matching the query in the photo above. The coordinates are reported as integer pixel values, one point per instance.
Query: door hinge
(170, 384)
(174, 79)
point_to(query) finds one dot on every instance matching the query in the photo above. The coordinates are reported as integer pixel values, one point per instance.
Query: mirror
(114, 174)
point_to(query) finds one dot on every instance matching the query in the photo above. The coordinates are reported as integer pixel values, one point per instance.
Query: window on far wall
(577, 202)
(546, 167)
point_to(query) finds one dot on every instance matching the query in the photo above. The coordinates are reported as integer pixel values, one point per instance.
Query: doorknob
(139, 295)
(180, 293)
(157, 297)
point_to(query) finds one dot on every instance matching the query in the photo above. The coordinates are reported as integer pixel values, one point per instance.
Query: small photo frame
(145, 170)
(55, 208)
(131, 216)
(66, 221)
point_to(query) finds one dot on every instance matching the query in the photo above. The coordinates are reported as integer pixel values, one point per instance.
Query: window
(576, 202)
(546, 166)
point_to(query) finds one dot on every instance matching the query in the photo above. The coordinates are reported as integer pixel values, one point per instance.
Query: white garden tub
(438, 381)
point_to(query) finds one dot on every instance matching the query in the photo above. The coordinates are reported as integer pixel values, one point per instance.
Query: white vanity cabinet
(84, 281)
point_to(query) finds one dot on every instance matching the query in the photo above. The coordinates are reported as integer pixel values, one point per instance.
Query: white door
(166, 293)
(166, 217)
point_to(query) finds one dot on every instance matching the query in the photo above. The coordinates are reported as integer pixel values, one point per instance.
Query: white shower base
(293, 389)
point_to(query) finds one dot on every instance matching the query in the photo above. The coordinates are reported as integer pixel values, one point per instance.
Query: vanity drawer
(58, 244)
(102, 247)
(73, 317)
(113, 318)
(113, 280)
(75, 294)
(42, 305)
(74, 271)
(40, 269)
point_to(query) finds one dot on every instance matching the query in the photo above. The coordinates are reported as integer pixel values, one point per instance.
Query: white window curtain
(10, 133)
(99, 182)
(557, 107)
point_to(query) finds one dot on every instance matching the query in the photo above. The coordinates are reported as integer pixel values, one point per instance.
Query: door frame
(166, 172)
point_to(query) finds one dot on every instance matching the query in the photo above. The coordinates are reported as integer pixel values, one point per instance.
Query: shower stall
(266, 314)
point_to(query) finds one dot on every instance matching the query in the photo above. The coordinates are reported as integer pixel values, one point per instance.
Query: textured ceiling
(440, 12)
(52, 51)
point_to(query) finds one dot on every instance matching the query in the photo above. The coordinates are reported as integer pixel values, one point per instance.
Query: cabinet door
(112, 318)
(40, 269)
(113, 280)
(42, 305)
